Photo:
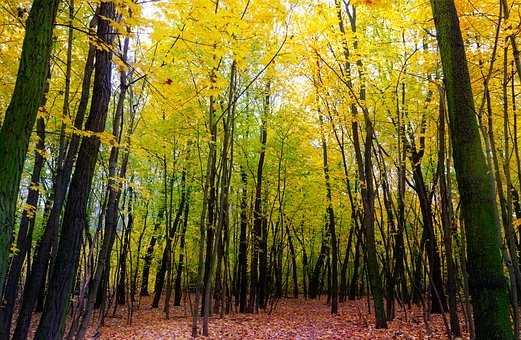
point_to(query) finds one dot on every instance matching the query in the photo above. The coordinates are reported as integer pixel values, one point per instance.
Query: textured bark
(211, 202)
(24, 238)
(113, 198)
(475, 184)
(20, 115)
(36, 283)
(61, 281)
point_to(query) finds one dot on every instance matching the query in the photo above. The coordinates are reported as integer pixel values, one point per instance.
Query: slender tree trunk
(343, 289)
(447, 222)
(207, 221)
(180, 266)
(25, 233)
(293, 264)
(149, 255)
(256, 283)
(331, 225)
(166, 260)
(515, 194)
(121, 287)
(356, 264)
(315, 275)
(437, 294)
(511, 257)
(114, 193)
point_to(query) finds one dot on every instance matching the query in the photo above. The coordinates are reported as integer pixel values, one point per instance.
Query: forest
(254, 169)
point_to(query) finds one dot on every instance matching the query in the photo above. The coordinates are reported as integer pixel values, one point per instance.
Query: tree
(21, 114)
(74, 220)
(487, 283)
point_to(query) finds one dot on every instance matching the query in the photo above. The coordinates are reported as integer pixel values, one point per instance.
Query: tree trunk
(166, 259)
(121, 287)
(447, 222)
(331, 225)
(114, 193)
(486, 280)
(356, 264)
(243, 244)
(179, 272)
(149, 255)
(256, 284)
(36, 283)
(20, 115)
(25, 233)
(74, 220)
(293, 264)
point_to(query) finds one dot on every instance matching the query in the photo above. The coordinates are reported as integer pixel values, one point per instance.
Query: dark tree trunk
(314, 279)
(475, 184)
(74, 220)
(439, 304)
(353, 291)
(211, 211)
(167, 251)
(243, 245)
(25, 233)
(20, 116)
(121, 287)
(180, 266)
(257, 272)
(447, 220)
(332, 228)
(343, 290)
(147, 262)
(48, 241)
(98, 284)
(293, 264)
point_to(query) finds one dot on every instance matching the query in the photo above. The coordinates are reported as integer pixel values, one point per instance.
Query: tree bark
(40, 265)
(20, 115)
(25, 233)
(74, 220)
(478, 206)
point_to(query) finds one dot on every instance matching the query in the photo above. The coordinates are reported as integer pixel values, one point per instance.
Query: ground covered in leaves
(290, 319)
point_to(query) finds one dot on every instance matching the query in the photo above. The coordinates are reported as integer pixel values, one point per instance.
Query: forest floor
(290, 319)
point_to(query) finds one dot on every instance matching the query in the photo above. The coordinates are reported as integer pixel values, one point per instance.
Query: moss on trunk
(487, 283)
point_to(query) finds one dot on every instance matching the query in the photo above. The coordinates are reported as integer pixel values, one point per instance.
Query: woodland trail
(292, 319)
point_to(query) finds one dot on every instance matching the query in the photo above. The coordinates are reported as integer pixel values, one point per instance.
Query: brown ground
(291, 319)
